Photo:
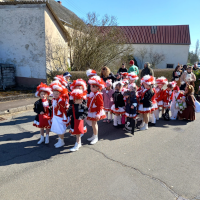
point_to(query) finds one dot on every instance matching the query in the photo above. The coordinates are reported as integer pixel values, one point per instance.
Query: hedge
(82, 74)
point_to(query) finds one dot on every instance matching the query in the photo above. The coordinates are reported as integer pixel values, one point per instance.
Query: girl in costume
(78, 84)
(95, 106)
(63, 82)
(131, 107)
(108, 100)
(78, 112)
(42, 108)
(59, 118)
(174, 107)
(90, 73)
(118, 106)
(146, 104)
(167, 94)
(161, 81)
(152, 117)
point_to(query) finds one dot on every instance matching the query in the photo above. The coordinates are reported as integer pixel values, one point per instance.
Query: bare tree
(155, 58)
(56, 55)
(95, 42)
(141, 54)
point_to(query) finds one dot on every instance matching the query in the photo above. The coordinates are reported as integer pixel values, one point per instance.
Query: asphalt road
(162, 163)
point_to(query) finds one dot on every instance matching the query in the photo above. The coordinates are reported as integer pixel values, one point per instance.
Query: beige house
(28, 32)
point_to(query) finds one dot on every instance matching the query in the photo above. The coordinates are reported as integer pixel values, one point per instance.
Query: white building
(171, 41)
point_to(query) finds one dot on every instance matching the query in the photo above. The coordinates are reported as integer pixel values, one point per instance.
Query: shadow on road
(16, 150)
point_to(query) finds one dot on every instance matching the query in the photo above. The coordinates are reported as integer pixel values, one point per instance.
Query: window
(170, 65)
(153, 29)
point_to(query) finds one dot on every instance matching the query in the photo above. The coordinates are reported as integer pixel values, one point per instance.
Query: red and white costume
(159, 91)
(146, 95)
(133, 77)
(42, 105)
(167, 95)
(64, 83)
(154, 102)
(77, 112)
(95, 100)
(59, 108)
(79, 82)
(174, 110)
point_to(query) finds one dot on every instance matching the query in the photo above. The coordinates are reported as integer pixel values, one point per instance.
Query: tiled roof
(179, 34)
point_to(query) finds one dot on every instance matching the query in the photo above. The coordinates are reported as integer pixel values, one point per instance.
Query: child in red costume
(59, 118)
(78, 112)
(64, 83)
(42, 108)
(95, 106)
(167, 94)
(161, 81)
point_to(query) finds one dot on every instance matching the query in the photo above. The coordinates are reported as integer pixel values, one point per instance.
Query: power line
(75, 7)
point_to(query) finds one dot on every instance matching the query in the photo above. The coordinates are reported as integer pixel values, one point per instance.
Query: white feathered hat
(150, 80)
(91, 72)
(132, 76)
(97, 80)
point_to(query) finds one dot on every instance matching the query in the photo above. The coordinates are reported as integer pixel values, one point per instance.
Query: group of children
(77, 103)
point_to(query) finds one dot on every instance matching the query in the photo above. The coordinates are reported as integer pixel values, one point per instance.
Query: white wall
(22, 39)
(174, 54)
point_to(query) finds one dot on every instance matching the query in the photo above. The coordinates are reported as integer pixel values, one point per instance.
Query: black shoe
(151, 124)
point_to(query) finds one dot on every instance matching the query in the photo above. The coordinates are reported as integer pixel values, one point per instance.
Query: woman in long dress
(189, 112)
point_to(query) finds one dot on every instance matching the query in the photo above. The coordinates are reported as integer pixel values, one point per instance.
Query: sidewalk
(16, 105)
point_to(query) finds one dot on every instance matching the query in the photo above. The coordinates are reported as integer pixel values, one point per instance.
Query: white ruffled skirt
(119, 111)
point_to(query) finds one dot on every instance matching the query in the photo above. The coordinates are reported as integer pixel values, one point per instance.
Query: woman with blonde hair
(189, 112)
(107, 74)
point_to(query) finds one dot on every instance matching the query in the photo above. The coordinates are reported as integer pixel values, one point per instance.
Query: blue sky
(144, 12)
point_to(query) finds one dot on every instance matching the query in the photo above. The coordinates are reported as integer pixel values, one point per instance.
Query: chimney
(59, 2)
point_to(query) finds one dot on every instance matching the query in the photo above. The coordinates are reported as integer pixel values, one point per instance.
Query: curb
(21, 96)
(18, 109)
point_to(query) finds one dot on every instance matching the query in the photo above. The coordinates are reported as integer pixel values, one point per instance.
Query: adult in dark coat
(107, 74)
(147, 70)
(122, 69)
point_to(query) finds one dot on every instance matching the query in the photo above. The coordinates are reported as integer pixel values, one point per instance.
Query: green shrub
(82, 74)
(197, 82)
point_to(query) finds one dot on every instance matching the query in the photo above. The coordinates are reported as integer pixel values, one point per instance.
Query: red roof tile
(157, 34)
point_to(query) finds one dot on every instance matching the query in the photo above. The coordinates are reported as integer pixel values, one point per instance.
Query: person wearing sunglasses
(107, 74)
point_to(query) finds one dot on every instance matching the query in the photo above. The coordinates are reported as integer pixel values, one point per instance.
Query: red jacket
(59, 108)
(97, 102)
